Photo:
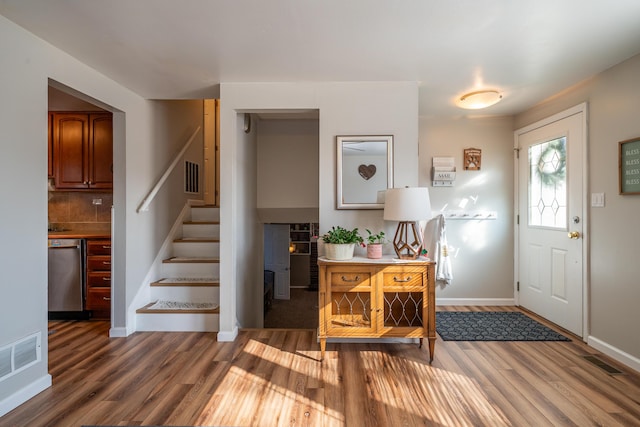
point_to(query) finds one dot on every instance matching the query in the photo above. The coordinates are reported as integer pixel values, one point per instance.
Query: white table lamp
(407, 205)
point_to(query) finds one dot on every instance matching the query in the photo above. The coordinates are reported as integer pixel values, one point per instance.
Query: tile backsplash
(75, 210)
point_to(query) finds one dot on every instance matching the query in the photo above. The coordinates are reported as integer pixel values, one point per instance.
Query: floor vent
(599, 363)
(191, 177)
(19, 355)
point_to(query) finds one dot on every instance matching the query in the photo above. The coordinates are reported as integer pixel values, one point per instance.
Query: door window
(548, 184)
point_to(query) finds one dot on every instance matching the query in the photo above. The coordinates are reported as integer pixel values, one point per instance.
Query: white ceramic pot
(339, 252)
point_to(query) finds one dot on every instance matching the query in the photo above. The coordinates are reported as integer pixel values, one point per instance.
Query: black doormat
(492, 326)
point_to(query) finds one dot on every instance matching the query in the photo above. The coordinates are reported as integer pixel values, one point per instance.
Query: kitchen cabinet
(82, 150)
(98, 279)
(364, 298)
(50, 146)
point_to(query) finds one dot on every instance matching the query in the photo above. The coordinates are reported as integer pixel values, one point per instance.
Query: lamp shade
(407, 204)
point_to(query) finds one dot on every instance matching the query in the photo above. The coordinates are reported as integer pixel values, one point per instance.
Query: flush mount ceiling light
(479, 99)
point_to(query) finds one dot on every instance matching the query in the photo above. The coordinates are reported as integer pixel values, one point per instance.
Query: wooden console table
(365, 298)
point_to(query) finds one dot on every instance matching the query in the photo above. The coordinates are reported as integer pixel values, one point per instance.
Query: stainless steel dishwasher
(66, 278)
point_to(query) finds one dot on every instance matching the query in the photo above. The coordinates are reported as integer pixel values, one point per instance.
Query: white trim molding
(615, 353)
(21, 396)
(228, 336)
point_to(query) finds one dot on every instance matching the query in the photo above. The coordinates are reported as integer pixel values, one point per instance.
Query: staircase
(187, 297)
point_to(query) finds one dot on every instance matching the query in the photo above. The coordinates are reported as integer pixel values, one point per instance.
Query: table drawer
(351, 279)
(403, 277)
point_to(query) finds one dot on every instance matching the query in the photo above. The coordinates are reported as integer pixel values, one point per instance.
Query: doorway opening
(80, 201)
(288, 208)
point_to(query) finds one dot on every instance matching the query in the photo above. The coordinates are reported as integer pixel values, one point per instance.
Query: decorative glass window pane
(548, 184)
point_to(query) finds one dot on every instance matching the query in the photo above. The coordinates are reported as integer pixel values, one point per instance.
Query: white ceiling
(176, 49)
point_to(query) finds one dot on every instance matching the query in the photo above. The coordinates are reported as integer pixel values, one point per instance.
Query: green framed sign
(629, 166)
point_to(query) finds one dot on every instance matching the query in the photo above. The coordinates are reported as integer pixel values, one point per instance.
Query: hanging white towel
(435, 242)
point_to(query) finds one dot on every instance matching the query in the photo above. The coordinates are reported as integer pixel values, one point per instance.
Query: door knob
(574, 234)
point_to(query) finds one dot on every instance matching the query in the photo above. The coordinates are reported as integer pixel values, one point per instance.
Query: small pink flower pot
(374, 250)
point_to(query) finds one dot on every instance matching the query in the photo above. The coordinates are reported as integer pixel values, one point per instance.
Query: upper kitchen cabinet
(83, 150)
(50, 146)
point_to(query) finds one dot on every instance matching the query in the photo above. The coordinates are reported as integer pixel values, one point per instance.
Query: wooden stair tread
(201, 222)
(205, 206)
(196, 240)
(187, 260)
(168, 281)
(146, 310)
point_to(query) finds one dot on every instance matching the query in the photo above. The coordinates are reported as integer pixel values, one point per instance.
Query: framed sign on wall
(629, 166)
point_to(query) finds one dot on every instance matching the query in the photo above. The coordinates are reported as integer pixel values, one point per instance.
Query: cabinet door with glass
(403, 301)
(349, 302)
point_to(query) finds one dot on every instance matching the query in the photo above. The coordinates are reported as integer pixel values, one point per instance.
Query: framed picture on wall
(364, 170)
(629, 166)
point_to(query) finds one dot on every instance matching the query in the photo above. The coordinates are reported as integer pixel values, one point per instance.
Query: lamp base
(407, 241)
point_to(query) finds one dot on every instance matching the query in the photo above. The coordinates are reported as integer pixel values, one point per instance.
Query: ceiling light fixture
(479, 99)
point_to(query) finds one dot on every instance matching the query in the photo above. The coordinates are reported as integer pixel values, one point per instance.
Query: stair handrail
(144, 206)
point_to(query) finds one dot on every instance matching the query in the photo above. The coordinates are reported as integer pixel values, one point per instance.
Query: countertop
(80, 234)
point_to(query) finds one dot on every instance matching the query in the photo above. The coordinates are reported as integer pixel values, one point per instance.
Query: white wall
(28, 63)
(287, 163)
(345, 109)
(248, 271)
(614, 101)
(23, 192)
(481, 252)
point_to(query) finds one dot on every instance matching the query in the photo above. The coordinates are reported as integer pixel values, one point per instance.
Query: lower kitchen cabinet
(98, 280)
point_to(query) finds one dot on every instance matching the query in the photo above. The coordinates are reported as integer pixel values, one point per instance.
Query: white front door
(276, 257)
(549, 265)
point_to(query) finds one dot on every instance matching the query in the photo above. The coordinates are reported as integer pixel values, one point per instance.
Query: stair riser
(205, 214)
(191, 270)
(201, 230)
(186, 293)
(178, 322)
(196, 249)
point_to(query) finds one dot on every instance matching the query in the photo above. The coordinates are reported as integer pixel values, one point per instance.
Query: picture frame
(364, 170)
(629, 166)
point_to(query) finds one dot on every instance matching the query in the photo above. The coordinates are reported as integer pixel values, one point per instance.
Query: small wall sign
(472, 159)
(629, 166)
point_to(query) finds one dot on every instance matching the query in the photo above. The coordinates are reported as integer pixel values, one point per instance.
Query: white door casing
(549, 262)
(276, 258)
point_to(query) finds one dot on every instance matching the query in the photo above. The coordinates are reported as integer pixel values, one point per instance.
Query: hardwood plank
(274, 377)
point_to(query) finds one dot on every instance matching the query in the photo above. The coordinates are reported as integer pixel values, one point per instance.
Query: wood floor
(273, 377)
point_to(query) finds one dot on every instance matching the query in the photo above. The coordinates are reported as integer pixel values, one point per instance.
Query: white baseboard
(615, 353)
(118, 332)
(475, 301)
(228, 336)
(21, 396)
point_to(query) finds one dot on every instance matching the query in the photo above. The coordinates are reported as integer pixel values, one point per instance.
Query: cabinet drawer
(99, 263)
(98, 279)
(351, 279)
(98, 247)
(98, 299)
(403, 277)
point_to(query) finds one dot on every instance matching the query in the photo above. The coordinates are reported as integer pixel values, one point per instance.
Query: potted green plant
(374, 244)
(339, 243)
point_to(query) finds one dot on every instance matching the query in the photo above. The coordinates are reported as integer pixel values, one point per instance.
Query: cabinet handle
(355, 279)
(106, 279)
(106, 298)
(408, 279)
(106, 247)
(106, 263)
